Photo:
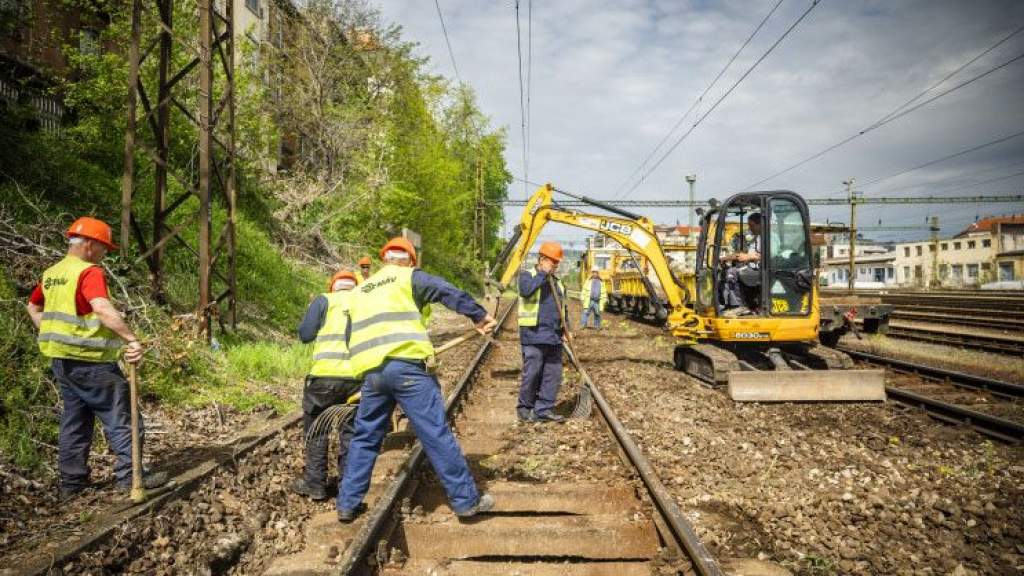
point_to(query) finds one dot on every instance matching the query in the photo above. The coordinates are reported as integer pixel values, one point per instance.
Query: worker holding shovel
(83, 333)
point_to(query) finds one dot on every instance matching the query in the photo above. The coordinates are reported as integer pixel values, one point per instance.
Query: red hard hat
(399, 243)
(552, 250)
(93, 229)
(339, 275)
(364, 261)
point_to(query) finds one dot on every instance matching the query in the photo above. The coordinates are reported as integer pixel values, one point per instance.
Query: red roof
(987, 224)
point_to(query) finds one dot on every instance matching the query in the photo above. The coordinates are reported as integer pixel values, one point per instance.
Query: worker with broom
(330, 380)
(84, 334)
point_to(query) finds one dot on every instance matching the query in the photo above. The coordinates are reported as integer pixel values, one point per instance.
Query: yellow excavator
(769, 352)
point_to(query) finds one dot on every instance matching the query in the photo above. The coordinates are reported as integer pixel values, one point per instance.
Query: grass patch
(268, 361)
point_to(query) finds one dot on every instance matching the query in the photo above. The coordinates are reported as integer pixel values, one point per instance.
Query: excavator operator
(739, 295)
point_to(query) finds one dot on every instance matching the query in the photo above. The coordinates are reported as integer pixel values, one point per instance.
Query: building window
(906, 251)
(918, 250)
(918, 272)
(842, 251)
(89, 43)
(987, 243)
(1005, 271)
(889, 273)
(945, 245)
(972, 271)
(958, 271)
(931, 247)
(906, 272)
(253, 6)
(971, 244)
(943, 271)
(956, 245)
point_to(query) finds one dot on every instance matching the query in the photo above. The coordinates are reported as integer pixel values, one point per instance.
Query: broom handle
(138, 493)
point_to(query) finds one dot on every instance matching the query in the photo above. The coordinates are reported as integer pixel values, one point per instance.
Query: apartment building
(990, 250)
(874, 263)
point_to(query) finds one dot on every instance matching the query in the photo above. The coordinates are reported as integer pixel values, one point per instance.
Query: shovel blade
(807, 386)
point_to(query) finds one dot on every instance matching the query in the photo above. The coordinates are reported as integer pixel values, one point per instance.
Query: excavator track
(819, 357)
(706, 362)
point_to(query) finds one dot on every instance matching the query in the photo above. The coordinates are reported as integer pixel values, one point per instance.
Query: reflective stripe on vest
(529, 307)
(330, 352)
(386, 322)
(62, 332)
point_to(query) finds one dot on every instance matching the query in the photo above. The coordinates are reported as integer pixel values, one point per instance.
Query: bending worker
(541, 334)
(389, 347)
(83, 333)
(593, 296)
(330, 381)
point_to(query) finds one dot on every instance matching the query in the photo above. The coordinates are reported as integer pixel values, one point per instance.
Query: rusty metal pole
(205, 160)
(232, 191)
(165, 10)
(128, 177)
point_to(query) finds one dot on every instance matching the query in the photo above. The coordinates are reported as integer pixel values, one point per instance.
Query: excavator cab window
(789, 269)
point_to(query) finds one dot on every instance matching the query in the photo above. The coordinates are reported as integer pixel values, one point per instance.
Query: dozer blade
(807, 386)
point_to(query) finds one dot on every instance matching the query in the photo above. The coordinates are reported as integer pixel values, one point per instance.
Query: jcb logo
(616, 227)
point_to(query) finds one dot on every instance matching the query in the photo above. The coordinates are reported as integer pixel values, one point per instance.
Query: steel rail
(363, 542)
(973, 341)
(683, 532)
(994, 386)
(994, 426)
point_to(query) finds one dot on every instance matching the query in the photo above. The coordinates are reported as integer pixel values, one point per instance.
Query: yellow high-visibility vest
(585, 294)
(65, 334)
(386, 323)
(330, 352)
(529, 307)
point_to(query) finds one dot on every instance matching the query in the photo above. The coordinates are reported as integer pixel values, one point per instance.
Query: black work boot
(525, 414)
(549, 417)
(149, 481)
(301, 486)
(347, 516)
(67, 493)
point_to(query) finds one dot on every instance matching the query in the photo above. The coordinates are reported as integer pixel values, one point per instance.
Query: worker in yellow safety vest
(593, 296)
(389, 346)
(541, 334)
(330, 381)
(84, 334)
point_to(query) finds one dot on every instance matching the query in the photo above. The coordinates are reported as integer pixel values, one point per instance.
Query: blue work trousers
(595, 309)
(419, 395)
(542, 377)
(90, 389)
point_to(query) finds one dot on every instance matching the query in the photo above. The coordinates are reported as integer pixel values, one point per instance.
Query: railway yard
(667, 476)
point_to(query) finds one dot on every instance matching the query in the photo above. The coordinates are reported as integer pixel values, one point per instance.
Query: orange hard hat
(552, 250)
(364, 261)
(93, 229)
(399, 243)
(339, 275)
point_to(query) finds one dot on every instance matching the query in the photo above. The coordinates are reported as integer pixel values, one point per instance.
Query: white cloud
(609, 78)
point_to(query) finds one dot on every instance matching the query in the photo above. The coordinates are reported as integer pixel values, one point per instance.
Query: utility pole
(853, 230)
(933, 225)
(691, 179)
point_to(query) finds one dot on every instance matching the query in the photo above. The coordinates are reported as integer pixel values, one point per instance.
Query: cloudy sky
(610, 78)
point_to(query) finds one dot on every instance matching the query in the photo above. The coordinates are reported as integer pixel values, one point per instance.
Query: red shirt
(91, 284)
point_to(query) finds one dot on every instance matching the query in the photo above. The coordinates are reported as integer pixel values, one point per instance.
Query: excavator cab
(754, 258)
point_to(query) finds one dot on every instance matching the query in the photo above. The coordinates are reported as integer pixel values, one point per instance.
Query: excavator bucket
(807, 385)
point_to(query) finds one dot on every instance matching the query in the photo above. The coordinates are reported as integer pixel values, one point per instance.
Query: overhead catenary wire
(696, 102)
(945, 158)
(529, 79)
(522, 98)
(901, 110)
(447, 41)
(722, 98)
(958, 178)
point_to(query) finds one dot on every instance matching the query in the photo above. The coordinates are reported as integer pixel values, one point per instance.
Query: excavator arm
(635, 233)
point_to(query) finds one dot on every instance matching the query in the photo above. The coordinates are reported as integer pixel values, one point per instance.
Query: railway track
(621, 522)
(960, 339)
(951, 396)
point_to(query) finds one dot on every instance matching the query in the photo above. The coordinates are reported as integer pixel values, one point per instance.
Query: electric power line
(896, 114)
(708, 112)
(944, 158)
(958, 178)
(529, 80)
(444, 29)
(522, 106)
(696, 102)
